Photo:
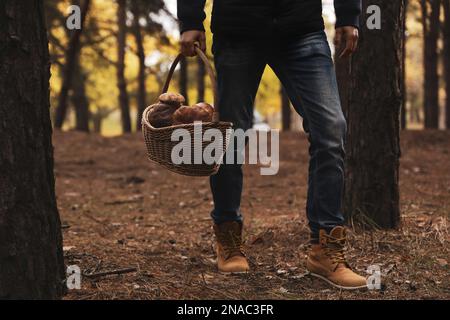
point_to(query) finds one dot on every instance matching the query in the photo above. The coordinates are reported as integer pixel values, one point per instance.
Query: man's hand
(350, 36)
(189, 38)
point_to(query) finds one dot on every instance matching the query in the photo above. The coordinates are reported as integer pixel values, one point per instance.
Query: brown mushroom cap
(172, 98)
(205, 106)
(183, 115)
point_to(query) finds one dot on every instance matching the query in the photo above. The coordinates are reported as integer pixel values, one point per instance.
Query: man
(289, 36)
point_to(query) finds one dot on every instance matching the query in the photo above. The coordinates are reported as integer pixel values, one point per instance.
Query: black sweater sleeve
(191, 14)
(347, 12)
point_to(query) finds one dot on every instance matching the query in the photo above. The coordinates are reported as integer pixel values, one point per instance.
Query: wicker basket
(158, 140)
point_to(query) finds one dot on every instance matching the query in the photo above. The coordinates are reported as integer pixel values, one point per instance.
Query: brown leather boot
(326, 261)
(230, 254)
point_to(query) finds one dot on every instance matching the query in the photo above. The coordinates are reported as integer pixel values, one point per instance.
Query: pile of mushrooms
(169, 110)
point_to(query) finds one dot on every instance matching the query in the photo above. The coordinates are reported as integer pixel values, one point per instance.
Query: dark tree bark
(31, 256)
(446, 5)
(183, 79)
(124, 100)
(141, 94)
(343, 71)
(373, 110)
(285, 110)
(201, 72)
(70, 59)
(430, 22)
(79, 99)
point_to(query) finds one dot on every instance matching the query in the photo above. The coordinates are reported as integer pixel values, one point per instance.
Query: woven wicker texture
(158, 140)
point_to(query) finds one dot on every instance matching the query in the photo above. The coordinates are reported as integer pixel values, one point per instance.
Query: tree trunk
(79, 99)
(124, 100)
(141, 94)
(285, 110)
(405, 96)
(374, 102)
(183, 79)
(70, 57)
(430, 22)
(446, 5)
(200, 80)
(31, 256)
(343, 66)
(97, 122)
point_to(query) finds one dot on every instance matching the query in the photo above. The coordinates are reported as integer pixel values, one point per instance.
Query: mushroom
(172, 99)
(206, 106)
(198, 112)
(184, 114)
(161, 115)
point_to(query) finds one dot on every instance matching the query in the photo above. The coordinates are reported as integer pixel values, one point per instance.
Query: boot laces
(335, 250)
(231, 243)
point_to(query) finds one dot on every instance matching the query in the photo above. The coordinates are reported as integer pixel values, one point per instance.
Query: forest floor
(120, 211)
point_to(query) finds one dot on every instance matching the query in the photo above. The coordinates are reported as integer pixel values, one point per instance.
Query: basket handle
(211, 75)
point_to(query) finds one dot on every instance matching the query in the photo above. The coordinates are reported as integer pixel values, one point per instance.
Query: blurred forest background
(138, 231)
(117, 69)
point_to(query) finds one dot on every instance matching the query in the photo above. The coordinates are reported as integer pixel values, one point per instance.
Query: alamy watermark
(374, 19)
(208, 147)
(73, 21)
(374, 278)
(73, 280)
(373, 22)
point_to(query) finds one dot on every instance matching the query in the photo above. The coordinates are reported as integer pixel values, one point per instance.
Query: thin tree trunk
(446, 5)
(31, 256)
(141, 94)
(200, 80)
(430, 21)
(79, 98)
(97, 122)
(70, 57)
(97, 118)
(285, 110)
(405, 97)
(124, 100)
(183, 79)
(374, 103)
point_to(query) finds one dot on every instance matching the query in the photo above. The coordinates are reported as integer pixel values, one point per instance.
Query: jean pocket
(313, 44)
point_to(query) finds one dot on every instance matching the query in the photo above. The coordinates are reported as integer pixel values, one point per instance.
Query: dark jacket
(251, 18)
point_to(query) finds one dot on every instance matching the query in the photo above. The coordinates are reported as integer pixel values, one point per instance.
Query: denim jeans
(305, 68)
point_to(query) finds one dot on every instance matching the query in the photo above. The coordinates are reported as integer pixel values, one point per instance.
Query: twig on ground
(105, 273)
(132, 199)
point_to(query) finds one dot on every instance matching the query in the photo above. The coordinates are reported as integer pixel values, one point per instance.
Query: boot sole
(234, 272)
(336, 285)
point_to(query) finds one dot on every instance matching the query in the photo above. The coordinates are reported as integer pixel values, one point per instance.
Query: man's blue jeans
(305, 68)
